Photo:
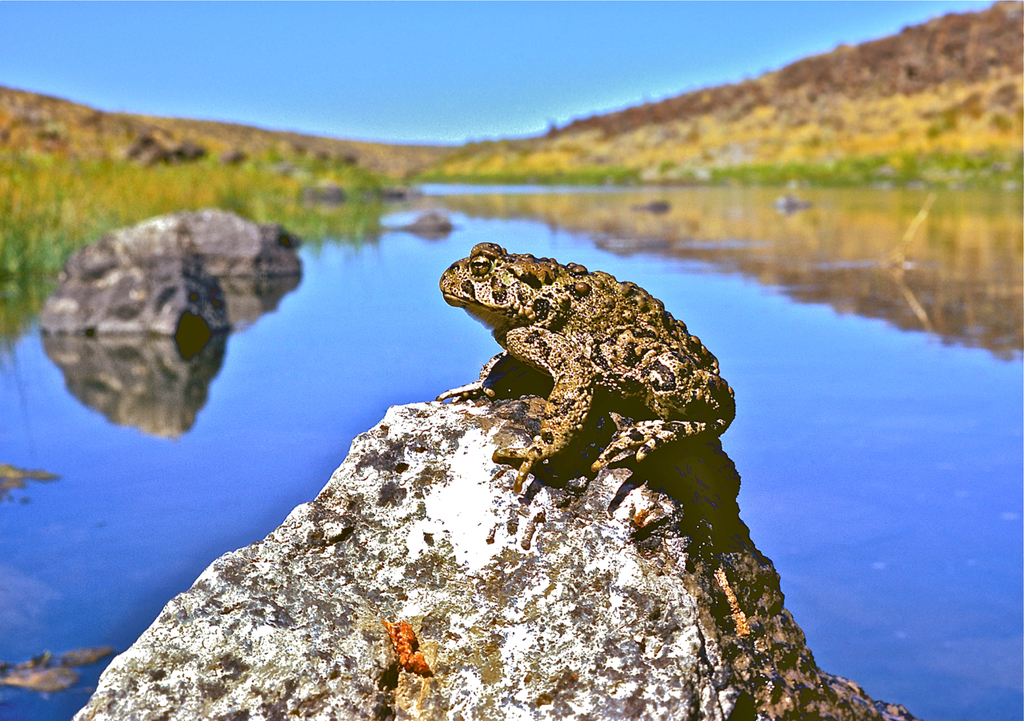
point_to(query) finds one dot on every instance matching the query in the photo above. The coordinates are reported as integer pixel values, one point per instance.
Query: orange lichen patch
(742, 628)
(406, 645)
(640, 517)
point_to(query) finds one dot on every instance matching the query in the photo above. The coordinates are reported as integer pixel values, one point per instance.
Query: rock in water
(109, 287)
(161, 273)
(418, 585)
(431, 225)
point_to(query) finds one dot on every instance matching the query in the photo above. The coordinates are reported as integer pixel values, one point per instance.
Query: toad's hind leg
(704, 403)
(567, 406)
(647, 436)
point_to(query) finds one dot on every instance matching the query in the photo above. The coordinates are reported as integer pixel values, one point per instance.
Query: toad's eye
(479, 265)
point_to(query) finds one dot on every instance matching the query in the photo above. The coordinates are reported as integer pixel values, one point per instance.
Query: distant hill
(947, 92)
(42, 124)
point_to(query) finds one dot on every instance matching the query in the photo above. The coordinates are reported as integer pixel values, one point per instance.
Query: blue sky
(416, 72)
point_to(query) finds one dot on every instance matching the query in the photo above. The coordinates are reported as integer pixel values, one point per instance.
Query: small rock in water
(657, 207)
(48, 673)
(85, 656)
(789, 204)
(49, 680)
(12, 477)
(13, 472)
(432, 225)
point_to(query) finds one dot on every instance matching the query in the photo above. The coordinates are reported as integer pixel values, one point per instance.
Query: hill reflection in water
(960, 276)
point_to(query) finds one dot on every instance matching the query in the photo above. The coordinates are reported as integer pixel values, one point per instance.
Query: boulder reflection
(248, 298)
(138, 381)
(159, 384)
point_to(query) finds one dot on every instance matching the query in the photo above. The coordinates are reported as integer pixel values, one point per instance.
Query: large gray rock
(633, 594)
(233, 246)
(228, 244)
(113, 287)
(151, 277)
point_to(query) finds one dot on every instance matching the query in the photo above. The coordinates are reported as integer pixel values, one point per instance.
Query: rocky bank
(633, 593)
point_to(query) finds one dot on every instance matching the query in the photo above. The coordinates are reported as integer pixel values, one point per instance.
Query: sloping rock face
(632, 593)
(151, 277)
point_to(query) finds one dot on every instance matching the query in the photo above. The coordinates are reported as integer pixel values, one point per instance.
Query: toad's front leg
(569, 403)
(479, 387)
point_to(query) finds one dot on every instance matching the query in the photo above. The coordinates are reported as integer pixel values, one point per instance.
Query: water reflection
(248, 298)
(140, 381)
(959, 276)
(159, 384)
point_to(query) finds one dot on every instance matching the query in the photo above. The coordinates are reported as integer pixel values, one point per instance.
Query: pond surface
(879, 428)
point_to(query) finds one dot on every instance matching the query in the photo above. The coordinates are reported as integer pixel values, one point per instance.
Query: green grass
(990, 170)
(598, 175)
(967, 171)
(50, 206)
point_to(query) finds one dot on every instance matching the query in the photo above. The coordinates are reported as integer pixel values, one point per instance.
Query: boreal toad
(591, 334)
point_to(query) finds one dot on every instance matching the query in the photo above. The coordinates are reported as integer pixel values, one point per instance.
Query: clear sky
(416, 72)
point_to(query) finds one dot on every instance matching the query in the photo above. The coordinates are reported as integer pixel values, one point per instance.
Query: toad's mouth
(493, 318)
(454, 300)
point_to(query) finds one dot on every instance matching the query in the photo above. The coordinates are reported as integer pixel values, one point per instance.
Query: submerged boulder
(161, 276)
(419, 585)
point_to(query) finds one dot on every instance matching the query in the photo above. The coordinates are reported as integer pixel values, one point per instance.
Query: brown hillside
(939, 103)
(30, 122)
(956, 48)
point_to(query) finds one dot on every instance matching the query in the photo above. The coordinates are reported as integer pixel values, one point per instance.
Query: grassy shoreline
(50, 206)
(953, 171)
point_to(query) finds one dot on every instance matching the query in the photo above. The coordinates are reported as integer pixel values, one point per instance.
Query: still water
(879, 427)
